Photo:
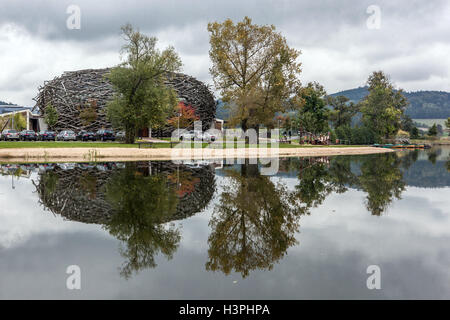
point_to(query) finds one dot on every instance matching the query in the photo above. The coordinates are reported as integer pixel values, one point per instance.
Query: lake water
(161, 230)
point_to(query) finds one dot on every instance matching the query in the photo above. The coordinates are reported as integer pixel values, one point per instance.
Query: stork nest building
(74, 92)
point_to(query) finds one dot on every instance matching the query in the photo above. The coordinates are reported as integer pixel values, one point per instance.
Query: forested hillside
(423, 104)
(222, 112)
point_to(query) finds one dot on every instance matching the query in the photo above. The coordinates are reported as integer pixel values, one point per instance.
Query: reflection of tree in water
(382, 180)
(342, 175)
(256, 219)
(432, 157)
(319, 176)
(141, 204)
(48, 183)
(423, 173)
(252, 225)
(314, 181)
(134, 204)
(378, 175)
(408, 158)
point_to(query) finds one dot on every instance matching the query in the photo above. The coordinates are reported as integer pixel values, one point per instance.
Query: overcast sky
(339, 50)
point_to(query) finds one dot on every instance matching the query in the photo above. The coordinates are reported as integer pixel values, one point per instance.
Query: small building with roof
(33, 120)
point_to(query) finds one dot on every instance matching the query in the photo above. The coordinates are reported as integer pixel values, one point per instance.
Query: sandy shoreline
(131, 154)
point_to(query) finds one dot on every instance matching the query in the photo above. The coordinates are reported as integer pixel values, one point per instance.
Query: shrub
(356, 135)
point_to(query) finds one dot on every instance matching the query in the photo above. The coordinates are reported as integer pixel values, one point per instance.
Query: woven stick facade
(74, 91)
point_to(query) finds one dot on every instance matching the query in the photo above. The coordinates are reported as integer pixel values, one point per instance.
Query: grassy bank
(91, 145)
(61, 144)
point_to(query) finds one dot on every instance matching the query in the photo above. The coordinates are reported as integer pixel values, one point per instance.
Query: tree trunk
(249, 170)
(257, 134)
(244, 128)
(130, 134)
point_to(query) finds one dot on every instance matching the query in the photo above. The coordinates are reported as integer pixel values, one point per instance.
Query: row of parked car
(6, 169)
(197, 135)
(42, 167)
(65, 135)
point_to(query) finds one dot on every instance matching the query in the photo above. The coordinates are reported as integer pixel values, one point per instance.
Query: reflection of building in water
(15, 170)
(306, 163)
(77, 192)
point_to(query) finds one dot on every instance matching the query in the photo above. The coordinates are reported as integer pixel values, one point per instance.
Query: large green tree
(342, 111)
(142, 99)
(433, 131)
(313, 113)
(407, 124)
(254, 69)
(415, 133)
(384, 106)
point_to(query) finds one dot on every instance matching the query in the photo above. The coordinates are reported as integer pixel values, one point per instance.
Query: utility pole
(179, 116)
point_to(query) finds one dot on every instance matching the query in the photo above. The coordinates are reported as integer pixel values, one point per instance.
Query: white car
(204, 136)
(67, 166)
(197, 136)
(187, 136)
(195, 163)
(66, 135)
(10, 134)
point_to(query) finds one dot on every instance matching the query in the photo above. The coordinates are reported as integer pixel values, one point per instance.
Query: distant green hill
(222, 112)
(5, 103)
(423, 104)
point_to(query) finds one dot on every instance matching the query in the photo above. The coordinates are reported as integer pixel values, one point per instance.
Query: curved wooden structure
(75, 91)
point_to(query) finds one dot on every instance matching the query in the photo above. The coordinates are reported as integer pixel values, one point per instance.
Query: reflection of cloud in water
(338, 240)
(21, 218)
(330, 262)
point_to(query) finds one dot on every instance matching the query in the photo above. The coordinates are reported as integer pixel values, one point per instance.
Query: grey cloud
(408, 29)
(422, 71)
(104, 18)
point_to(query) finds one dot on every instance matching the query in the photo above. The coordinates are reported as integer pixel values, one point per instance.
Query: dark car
(84, 135)
(104, 135)
(47, 135)
(27, 135)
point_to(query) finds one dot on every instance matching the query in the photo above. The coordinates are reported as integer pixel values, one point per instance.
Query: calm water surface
(161, 230)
